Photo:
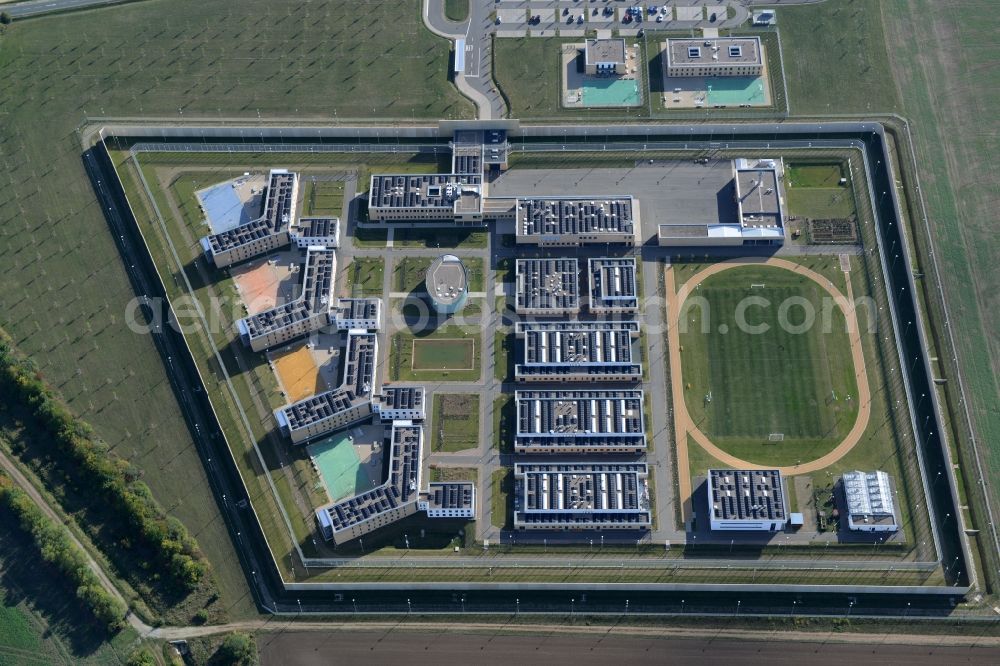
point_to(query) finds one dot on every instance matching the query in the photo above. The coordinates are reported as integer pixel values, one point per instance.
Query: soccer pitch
(773, 376)
(444, 354)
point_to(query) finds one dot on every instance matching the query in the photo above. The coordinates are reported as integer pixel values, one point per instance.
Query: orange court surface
(297, 372)
(261, 283)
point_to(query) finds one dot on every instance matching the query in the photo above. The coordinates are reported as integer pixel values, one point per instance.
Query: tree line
(55, 547)
(175, 554)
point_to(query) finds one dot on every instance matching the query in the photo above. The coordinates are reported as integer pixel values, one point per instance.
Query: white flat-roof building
(870, 505)
(758, 194)
(746, 500)
(604, 56)
(714, 56)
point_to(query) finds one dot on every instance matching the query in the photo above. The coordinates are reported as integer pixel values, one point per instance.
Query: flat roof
(745, 494)
(758, 193)
(446, 280)
(582, 495)
(605, 51)
(357, 386)
(574, 216)
(682, 231)
(563, 348)
(424, 191)
(713, 51)
(613, 283)
(869, 495)
(400, 487)
(593, 418)
(316, 298)
(450, 495)
(279, 211)
(358, 309)
(547, 284)
(402, 397)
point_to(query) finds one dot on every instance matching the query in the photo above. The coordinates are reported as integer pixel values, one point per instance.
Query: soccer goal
(776, 437)
(758, 285)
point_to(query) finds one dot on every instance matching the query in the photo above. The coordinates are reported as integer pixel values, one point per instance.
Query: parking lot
(572, 18)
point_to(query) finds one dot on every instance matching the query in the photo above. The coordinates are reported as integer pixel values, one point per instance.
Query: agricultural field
(64, 282)
(836, 59)
(741, 384)
(950, 102)
(455, 420)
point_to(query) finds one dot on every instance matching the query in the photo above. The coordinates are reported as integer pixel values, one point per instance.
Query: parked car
(711, 18)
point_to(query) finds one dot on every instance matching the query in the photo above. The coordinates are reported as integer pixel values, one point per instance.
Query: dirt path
(683, 424)
(15, 474)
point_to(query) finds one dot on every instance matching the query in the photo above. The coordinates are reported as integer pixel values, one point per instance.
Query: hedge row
(175, 553)
(55, 547)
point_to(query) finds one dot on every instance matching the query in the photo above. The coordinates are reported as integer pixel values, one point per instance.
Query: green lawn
(950, 98)
(813, 175)
(421, 361)
(502, 501)
(503, 419)
(454, 473)
(503, 356)
(475, 274)
(820, 203)
(741, 386)
(323, 197)
(456, 10)
(441, 238)
(364, 276)
(455, 421)
(835, 58)
(408, 273)
(443, 353)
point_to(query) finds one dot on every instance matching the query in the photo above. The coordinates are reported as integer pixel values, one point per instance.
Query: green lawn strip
(323, 197)
(441, 238)
(439, 473)
(503, 351)
(455, 422)
(502, 513)
(503, 419)
(365, 277)
(265, 503)
(474, 271)
(813, 175)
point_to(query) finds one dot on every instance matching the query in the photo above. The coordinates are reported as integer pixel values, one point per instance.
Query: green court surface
(611, 92)
(444, 354)
(339, 466)
(735, 90)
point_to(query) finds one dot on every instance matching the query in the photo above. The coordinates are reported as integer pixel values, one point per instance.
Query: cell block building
(578, 351)
(576, 221)
(746, 500)
(547, 287)
(870, 504)
(265, 234)
(351, 402)
(309, 312)
(399, 495)
(581, 496)
(579, 422)
(401, 403)
(612, 283)
(414, 198)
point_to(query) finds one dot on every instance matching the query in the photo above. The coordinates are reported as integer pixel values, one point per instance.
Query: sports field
(451, 353)
(443, 354)
(297, 372)
(745, 386)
